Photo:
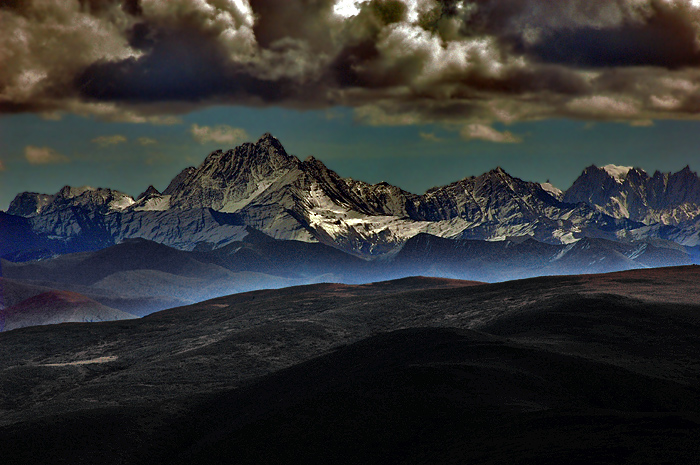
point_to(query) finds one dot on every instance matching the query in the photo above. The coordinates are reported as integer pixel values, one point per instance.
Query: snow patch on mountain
(152, 203)
(638, 251)
(554, 191)
(122, 202)
(233, 206)
(70, 192)
(617, 172)
(383, 234)
(564, 236)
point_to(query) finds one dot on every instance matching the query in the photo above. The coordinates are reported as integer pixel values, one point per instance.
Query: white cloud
(487, 133)
(106, 141)
(429, 136)
(222, 134)
(604, 106)
(374, 115)
(43, 155)
(146, 141)
(112, 113)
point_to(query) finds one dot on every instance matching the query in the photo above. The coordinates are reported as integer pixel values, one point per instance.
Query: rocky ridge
(261, 186)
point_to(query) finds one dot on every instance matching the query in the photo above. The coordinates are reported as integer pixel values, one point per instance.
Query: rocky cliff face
(228, 181)
(631, 193)
(29, 204)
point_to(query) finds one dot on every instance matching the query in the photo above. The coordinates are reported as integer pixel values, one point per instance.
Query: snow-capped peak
(70, 192)
(121, 201)
(555, 191)
(617, 172)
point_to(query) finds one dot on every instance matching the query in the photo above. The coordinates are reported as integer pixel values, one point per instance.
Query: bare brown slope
(57, 307)
(13, 291)
(678, 284)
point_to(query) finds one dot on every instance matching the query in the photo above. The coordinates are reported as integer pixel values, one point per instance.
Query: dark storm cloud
(395, 61)
(10, 4)
(96, 7)
(665, 39)
(298, 20)
(178, 65)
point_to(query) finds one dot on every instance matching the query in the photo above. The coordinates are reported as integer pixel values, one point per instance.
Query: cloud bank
(394, 61)
(222, 134)
(477, 131)
(106, 141)
(43, 155)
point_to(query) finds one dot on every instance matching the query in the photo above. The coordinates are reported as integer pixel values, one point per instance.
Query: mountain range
(140, 277)
(267, 310)
(260, 186)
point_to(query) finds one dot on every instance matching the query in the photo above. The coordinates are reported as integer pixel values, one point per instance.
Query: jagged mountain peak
(626, 192)
(312, 161)
(552, 189)
(268, 140)
(619, 173)
(229, 180)
(636, 174)
(267, 150)
(275, 192)
(177, 181)
(69, 192)
(498, 176)
(686, 173)
(72, 192)
(148, 192)
(29, 204)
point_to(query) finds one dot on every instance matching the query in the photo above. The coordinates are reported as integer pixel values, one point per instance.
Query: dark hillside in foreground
(423, 395)
(445, 396)
(574, 369)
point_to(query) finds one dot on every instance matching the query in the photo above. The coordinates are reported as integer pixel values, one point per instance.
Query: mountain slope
(140, 276)
(18, 240)
(518, 258)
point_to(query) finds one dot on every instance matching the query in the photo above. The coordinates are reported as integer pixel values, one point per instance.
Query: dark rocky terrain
(565, 369)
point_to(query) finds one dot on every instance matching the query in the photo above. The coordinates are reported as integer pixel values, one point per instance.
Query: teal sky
(557, 150)
(416, 93)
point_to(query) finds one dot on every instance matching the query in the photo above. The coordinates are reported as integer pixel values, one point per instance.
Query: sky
(418, 93)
